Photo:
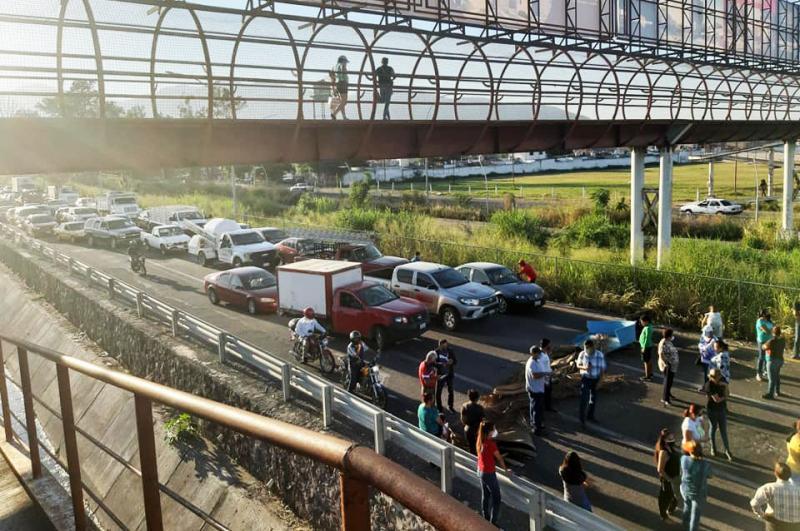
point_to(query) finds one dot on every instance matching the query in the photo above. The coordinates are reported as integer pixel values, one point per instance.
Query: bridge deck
(31, 145)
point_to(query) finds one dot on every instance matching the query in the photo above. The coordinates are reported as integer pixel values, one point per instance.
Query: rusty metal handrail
(359, 466)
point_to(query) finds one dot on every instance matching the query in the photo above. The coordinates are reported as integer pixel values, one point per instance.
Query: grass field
(687, 179)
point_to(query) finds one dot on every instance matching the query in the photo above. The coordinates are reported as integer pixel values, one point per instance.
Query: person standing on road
(706, 352)
(536, 371)
(694, 426)
(427, 374)
(526, 272)
(722, 360)
(773, 350)
(695, 472)
(488, 457)
(547, 350)
(668, 466)
(428, 416)
(793, 449)
(717, 406)
(574, 481)
(778, 503)
(713, 319)
(591, 364)
(472, 414)
(668, 364)
(445, 368)
(764, 328)
(796, 342)
(384, 77)
(342, 87)
(646, 347)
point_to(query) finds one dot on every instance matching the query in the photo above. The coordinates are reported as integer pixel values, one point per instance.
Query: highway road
(617, 452)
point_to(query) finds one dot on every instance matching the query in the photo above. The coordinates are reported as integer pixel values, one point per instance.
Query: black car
(511, 291)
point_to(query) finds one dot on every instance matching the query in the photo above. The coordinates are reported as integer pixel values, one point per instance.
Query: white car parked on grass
(712, 205)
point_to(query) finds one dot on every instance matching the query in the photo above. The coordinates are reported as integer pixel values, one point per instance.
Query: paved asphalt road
(617, 453)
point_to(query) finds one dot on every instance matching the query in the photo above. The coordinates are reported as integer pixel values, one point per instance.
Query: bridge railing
(359, 467)
(544, 507)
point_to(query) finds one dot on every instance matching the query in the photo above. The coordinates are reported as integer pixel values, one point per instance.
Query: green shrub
(601, 197)
(359, 191)
(414, 198)
(516, 224)
(357, 218)
(712, 228)
(462, 199)
(595, 230)
(316, 203)
(180, 429)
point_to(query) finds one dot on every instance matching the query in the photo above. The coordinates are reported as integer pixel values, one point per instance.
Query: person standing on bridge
(714, 319)
(592, 365)
(445, 367)
(384, 77)
(668, 466)
(717, 406)
(763, 187)
(574, 481)
(342, 86)
(778, 503)
(428, 416)
(796, 341)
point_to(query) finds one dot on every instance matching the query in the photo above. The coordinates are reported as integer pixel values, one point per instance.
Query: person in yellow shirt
(793, 447)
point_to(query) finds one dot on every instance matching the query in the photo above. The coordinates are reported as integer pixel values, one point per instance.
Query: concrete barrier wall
(311, 490)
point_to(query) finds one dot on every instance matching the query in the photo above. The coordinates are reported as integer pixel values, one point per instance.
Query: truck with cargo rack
(224, 240)
(169, 215)
(346, 302)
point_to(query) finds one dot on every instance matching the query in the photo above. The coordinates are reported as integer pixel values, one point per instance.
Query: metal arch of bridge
(482, 97)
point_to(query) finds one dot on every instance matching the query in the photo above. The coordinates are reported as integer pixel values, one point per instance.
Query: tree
(223, 105)
(81, 100)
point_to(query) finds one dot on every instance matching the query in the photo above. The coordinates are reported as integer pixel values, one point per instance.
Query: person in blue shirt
(695, 472)
(428, 416)
(764, 326)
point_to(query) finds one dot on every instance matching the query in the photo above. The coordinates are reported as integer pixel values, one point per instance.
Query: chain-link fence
(673, 298)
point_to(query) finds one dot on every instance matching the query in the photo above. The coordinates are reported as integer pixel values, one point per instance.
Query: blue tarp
(620, 333)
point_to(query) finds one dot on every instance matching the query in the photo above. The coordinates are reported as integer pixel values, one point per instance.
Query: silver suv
(445, 292)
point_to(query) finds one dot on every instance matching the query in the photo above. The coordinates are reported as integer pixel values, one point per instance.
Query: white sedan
(712, 205)
(302, 187)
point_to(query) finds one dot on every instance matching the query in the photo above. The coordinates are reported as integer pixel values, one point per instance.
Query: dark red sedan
(246, 287)
(290, 248)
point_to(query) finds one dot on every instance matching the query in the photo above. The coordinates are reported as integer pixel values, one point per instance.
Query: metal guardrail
(543, 507)
(359, 467)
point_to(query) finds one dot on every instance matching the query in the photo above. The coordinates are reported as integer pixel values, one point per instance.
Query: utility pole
(711, 178)
(735, 171)
(426, 176)
(233, 190)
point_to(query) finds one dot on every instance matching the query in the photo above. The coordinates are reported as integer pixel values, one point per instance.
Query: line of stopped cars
(386, 298)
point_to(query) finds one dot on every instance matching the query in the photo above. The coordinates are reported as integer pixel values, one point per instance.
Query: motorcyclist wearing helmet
(136, 252)
(306, 327)
(355, 358)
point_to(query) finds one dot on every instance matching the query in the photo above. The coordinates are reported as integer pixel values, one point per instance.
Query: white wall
(395, 173)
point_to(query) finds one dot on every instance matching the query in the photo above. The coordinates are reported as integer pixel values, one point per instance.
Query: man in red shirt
(427, 374)
(526, 271)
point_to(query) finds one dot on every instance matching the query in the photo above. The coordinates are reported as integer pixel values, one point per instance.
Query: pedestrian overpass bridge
(93, 84)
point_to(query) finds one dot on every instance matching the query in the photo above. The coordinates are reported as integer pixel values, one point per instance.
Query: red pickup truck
(379, 314)
(372, 261)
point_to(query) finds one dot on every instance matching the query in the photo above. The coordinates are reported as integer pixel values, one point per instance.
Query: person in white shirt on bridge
(592, 365)
(537, 370)
(778, 503)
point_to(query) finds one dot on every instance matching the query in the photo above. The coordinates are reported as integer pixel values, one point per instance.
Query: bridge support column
(637, 204)
(711, 178)
(664, 207)
(788, 182)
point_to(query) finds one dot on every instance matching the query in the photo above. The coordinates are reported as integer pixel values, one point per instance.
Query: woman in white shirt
(695, 425)
(713, 319)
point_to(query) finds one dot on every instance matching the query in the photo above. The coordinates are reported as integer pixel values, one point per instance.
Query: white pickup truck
(166, 239)
(225, 241)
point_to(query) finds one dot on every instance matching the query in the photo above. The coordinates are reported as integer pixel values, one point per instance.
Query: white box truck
(62, 193)
(22, 184)
(313, 283)
(118, 204)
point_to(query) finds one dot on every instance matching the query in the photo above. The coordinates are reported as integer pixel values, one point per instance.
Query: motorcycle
(317, 350)
(370, 382)
(138, 266)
